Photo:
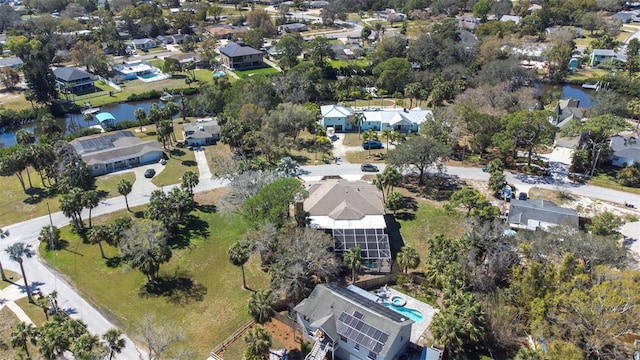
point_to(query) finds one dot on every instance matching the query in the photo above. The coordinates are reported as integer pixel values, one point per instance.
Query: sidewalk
(9, 295)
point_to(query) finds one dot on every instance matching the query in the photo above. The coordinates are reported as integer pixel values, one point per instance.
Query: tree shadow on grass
(36, 195)
(151, 133)
(209, 209)
(395, 238)
(189, 163)
(192, 227)
(178, 288)
(177, 152)
(113, 262)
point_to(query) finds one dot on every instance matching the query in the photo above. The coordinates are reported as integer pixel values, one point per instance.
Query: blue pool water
(149, 76)
(412, 314)
(219, 74)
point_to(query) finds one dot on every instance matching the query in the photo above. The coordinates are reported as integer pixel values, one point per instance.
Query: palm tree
(189, 180)
(53, 340)
(97, 235)
(408, 258)
(22, 335)
(25, 138)
(90, 200)
(369, 135)
(261, 306)
(140, 115)
(16, 253)
(358, 118)
(388, 134)
(124, 189)
(3, 235)
(258, 343)
(353, 260)
(84, 346)
(115, 343)
(88, 118)
(239, 254)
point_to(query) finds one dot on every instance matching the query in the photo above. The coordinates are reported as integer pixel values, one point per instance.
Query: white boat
(90, 110)
(166, 97)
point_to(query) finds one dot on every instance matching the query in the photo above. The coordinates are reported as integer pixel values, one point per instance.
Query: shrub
(629, 176)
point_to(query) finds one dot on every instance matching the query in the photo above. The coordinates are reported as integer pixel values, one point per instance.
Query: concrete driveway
(143, 184)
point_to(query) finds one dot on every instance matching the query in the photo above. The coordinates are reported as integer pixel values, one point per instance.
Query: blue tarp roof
(105, 116)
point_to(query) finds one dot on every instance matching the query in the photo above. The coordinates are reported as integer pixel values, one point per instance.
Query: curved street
(44, 279)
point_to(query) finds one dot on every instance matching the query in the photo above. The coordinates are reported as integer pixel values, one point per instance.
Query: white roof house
(404, 120)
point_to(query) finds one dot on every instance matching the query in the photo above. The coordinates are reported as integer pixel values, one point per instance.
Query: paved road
(45, 280)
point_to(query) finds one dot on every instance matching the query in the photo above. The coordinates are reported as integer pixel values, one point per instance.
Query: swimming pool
(149, 76)
(219, 74)
(412, 314)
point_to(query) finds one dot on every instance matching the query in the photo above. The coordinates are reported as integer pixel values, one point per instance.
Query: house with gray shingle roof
(534, 214)
(626, 151)
(353, 213)
(602, 55)
(71, 79)
(202, 132)
(239, 56)
(12, 62)
(142, 44)
(351, 325)
(114, 151)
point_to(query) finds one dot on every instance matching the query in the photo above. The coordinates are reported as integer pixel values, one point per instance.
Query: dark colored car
(372, 144)
(485, 168)
(149, 173)
(369, 168)
(523, 196)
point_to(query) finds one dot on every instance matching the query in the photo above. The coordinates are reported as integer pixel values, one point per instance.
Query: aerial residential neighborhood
(268, 179)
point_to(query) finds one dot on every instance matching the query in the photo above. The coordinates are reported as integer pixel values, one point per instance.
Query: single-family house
(179, 39)
(534, 214)
(239, 56)
(293, 27)
(602, 55)
(565, 111)
(626, 17)
(114, 151)
(73, 80)
(347, 51)
(318, 4)
(467, 22)
(135, 69)
(402, 120)
(353, 213)
(203, 132)
(514, 18)
(351, 325)
(11, 62)
(142, 44)
(626, 151)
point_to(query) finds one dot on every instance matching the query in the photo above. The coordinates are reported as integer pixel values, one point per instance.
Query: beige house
(238, 56)
(353, 213)
(116, 151)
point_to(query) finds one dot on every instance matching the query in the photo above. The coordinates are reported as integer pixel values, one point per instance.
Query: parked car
(485, 168)
(369, 168)
(149, 173)
(372, 144)
(523, 196)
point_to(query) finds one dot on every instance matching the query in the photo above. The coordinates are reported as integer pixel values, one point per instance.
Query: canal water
(570, 92)
(122, 112)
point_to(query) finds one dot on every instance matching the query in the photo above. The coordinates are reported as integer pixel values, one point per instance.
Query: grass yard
(13, 100)
(336, 64)
(208, 311)
(16, 206)
(8, 320)
(606, 180)
(253, 72)
(11, 276)
(370, 103)
(179, 161)
(427, 219)
(33, 311)
(109, 183)
(377, 156)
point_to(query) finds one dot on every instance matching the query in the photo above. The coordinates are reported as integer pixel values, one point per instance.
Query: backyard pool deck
(428, 311)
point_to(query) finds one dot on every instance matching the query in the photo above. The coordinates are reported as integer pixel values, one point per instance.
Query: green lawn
(377, 156)
(16, 206)
(336, 64)
(262, 71)
(12, 276)
(179, 161)
(427, 220)
(109, 183)
(8, 320)
(607, 181)
(208, 312)
(33, 311)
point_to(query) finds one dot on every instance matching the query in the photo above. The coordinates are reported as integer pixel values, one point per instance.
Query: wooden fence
(215, 353)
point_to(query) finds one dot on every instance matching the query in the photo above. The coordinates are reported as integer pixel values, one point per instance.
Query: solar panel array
(94, 144)
(362, 333)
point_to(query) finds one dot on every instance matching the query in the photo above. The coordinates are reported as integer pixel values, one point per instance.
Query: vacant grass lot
(109, 183)
(16, 206)
(607, 180)
(210, 305)
(423, 219)
(255, 72)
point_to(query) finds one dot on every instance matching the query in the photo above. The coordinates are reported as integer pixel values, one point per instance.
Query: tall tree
(124, 189)
(144, 246)
(97, 234)
(528, 130)
(367, 136)
(189, 180)
(419, 152)
(140, 116)
(353, 260)
(17, 252)
(358, 118)
(633, 56)
(261, 305)
(271, 203)
(90, 200)
(71, 205)
(408, 258)
(258, 343)
(319, 50)
(239, 254)
(23, 334)
(114, 340)
(159, 336)
(290, 46)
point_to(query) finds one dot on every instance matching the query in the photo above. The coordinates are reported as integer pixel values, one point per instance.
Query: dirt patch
(283, 334)
(211, 197)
